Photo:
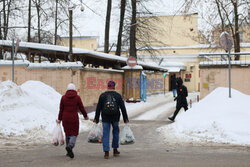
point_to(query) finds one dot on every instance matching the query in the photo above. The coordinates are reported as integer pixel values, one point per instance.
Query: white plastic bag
(127, 136)
(95, 134)
(58, 136)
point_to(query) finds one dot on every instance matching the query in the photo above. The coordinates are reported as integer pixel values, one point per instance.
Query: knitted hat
(71, 86)
(111, 85)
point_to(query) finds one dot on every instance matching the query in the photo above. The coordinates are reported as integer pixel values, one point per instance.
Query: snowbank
(216, 119)
(30, 110)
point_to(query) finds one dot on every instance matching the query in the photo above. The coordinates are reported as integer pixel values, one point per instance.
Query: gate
(143, 85)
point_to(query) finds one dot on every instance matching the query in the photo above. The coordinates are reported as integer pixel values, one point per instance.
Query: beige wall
(89, 88)
(94, 82)
(89, 43)
(155, 83)
(214, 77)
(178, 30)
(193, 70)
(90, 83)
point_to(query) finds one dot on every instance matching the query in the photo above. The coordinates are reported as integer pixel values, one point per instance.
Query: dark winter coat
(173, 82)
(182, 93)
(116, 116)
(70, 104)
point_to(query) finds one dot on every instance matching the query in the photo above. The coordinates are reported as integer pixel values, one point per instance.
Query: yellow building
(84, 42)
(176, 38)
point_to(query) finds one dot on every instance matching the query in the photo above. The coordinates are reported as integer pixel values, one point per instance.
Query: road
(148, 151)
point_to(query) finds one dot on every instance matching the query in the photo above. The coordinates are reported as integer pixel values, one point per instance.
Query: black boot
(116, 152)
(171, 119)
(106, 155)
(69, 152)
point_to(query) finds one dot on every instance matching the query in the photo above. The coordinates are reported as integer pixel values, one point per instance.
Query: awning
(173, 69)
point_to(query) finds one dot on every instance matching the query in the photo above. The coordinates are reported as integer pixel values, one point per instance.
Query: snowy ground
(215, 119)
(28, 113)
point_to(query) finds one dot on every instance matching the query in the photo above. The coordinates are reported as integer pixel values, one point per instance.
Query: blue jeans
(174, 92)
(106, 134)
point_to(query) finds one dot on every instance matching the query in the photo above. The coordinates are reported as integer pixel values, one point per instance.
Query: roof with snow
(86, 56)
(199, 46)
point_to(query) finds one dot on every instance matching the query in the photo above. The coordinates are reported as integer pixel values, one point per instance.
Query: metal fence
(206, 59)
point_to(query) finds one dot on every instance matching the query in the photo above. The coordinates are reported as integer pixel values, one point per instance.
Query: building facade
(83, 42)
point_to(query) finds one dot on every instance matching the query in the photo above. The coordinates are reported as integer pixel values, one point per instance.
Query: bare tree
(38, 9)
(29, 21)
(144, 28)
(107, 26)
(231, 16)
(56, 23)
(132, 49)
(119, 39)
(6, 16)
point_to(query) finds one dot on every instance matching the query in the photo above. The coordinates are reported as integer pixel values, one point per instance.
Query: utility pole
(12, 56)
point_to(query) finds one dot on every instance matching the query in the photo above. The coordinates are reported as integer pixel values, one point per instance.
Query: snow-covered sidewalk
(167, 107)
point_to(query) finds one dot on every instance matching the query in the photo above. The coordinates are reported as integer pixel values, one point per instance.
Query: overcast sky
(93, 23)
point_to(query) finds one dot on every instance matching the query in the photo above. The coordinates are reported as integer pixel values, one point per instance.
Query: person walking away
(181, 98)
(109, 105)
(70, 104)
(173, 84)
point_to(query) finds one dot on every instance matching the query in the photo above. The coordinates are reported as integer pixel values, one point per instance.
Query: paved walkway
(148, 151)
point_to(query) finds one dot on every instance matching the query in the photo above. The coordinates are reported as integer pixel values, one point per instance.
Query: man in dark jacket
(109, 105)
(70, 104)
(182, 93)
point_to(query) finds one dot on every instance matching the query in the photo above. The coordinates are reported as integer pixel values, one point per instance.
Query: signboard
(188, 75)
(226, 41)
(131, 62)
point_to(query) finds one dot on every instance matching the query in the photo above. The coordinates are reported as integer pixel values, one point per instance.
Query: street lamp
(71, 56)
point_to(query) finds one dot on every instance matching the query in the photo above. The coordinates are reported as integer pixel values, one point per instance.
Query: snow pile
(216, 119)
(30, 110)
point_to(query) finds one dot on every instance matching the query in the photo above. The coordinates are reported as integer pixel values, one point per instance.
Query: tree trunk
(119, 40)
(38, 21)
(1, 50)
(132, 50)
(1, 37)
(56, 23)
(237, 33)
(4, 20)
(106, 42)
(29, 20)
(8, 16)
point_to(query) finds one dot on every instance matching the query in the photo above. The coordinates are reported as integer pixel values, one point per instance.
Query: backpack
(110, 105)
